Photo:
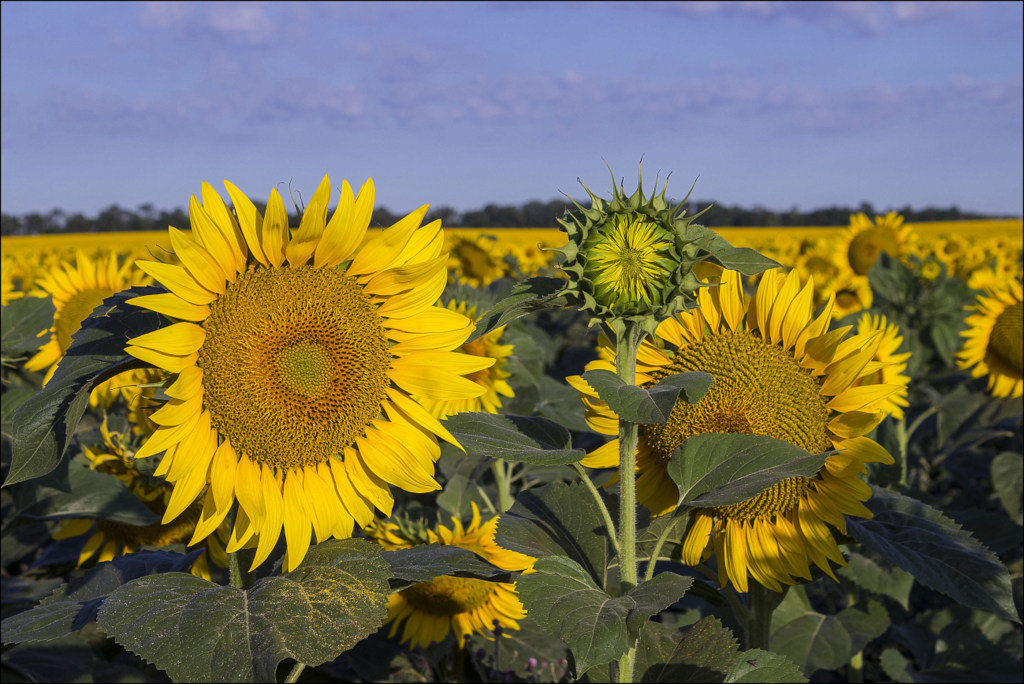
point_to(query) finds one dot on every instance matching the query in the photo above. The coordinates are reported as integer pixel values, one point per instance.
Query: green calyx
(630, 259)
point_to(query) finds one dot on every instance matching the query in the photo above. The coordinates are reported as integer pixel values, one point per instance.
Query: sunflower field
(292, 446)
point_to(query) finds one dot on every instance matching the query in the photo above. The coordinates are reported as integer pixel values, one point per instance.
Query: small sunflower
(428, 611)
(777, 372)
(294, 362)
(852, 294)
(76, 290)
(889, 367)
(492, 379)
(108, 539)
(993, 341)
(476, 261)
(865, 240)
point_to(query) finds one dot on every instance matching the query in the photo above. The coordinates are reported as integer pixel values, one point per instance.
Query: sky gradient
(773, 104)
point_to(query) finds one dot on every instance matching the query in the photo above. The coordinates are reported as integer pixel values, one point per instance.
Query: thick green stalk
(762, 603)
(501, 479)
(626, 345)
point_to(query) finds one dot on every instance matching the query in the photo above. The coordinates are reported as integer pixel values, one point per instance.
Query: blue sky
(779, 104)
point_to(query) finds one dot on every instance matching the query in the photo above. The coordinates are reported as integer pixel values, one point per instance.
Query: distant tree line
(534, 214)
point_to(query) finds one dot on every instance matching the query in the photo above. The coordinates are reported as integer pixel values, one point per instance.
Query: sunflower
(777, 372)
(865, 240)
(890, 367)
(428, 611)
(993, 341)
(852, 294)
(477, 260)
(76, 290)
(492, 379)
(293, 364)
(108, 539)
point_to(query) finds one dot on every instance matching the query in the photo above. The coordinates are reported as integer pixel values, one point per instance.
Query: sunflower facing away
(77, 289)
(428, 611)
(779, 372)
(993, 341)
(865, 240)
(293, 364)
(492, 379)
(108, 539)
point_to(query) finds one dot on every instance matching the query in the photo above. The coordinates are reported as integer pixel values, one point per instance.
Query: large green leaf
(93, 495)
(73, 605)
(43, 425)
(514, 438)
(424, 562)
(702, 652)
(1007, 477)
(816, 641)
(25, 324)
(564, 520)
(936, 551)
(651, 405)
(756, 665)
(716, 469)
(528, 296)
(562, 598)
(885, 580)
(199, 631)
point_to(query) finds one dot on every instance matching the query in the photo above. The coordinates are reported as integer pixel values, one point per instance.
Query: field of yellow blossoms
(272, 448)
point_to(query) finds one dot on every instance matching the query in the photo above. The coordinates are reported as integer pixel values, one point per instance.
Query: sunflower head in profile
(476, 260)
(630, 257)
(107, 539)
(779, 372)
(78, 288)
(428, 611)
(992, 344)
(294, 362)
(865, 240)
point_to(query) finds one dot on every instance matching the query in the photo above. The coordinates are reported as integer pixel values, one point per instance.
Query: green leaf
(43, 425)
(93, 495)
(424, 562)
(756, 665)
(887, 581)
(199, 631)
(73, 605)
(458, 496)
(864, 625)
(743, 259)
(651, 405)
(814, 641)
(25, 325)
(936, 551)
(526, 297)
(562, 598)
(517, 648)
(652, 597)
(1007, 477)
(717, 469)
(70, 659)
(514, 438)
(564, 520)
(702, 652)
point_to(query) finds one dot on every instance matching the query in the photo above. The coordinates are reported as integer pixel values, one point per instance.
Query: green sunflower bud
(630, 258)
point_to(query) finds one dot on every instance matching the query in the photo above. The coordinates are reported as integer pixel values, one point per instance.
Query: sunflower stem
(662, 538)
(501, 478)
(902, 438)
(293, 676)
(762, 603)
(235, 572)
(608, 523)
(626, 343)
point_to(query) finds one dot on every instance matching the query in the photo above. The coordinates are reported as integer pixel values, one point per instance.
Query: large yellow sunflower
(993, 341)
(492, 379)
(865, 240)
(294, 362)
(428, 611)
(777, 372)
(77, 289)
(108, 539)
